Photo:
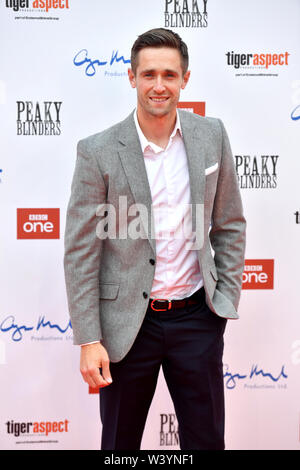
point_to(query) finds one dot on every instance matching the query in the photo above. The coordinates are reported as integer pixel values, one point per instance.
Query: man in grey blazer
(138, 299)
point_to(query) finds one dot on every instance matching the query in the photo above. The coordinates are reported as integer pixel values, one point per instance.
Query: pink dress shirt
(177, 273)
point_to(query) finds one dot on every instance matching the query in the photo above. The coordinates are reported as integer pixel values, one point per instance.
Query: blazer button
(145, 295)
(151, 261)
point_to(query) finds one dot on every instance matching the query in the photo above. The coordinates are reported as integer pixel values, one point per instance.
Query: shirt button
(152, 261)
(145, 295)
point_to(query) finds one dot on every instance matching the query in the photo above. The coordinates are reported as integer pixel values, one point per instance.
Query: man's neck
(157, 129)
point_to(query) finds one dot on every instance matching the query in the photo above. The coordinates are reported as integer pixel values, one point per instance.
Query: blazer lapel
(132, 159)
(194, 141)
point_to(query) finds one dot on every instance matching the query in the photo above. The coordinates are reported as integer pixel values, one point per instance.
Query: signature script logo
(295, 114)
(231, 379)
(82, 58)
(9, 325)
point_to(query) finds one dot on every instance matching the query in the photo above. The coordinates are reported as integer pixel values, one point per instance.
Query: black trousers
(188, 344)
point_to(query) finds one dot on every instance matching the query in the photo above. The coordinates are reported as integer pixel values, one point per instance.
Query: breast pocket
(211, 169)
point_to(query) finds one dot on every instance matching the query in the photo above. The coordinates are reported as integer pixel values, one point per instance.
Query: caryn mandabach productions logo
(112, 64)
(295, 112)
(256, 377)
(185, 14)
(39, 118)
(38, 329)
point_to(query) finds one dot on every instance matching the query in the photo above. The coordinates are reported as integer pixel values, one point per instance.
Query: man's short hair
(160, 37)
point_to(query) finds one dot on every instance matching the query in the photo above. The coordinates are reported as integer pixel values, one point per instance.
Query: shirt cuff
(92, 342)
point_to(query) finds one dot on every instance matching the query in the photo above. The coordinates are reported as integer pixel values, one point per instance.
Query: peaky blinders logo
(168, 435)
(39, 118)
(256, 172)
(185, 13)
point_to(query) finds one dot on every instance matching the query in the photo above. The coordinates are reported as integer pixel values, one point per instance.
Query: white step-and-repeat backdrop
(63, 77)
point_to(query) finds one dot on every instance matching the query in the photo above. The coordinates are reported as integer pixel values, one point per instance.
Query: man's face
(158, 80)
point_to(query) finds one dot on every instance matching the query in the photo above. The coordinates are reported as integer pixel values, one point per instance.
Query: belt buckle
(161, 309)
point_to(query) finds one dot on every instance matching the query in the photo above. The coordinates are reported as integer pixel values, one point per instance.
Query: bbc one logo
(258, 274)
(37, 224)
(45, 5)
(196, 107)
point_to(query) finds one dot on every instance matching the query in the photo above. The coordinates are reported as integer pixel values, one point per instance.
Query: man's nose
(159, 86)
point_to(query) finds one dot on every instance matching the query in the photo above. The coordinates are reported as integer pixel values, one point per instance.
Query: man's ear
(186, 78)
(131, 77)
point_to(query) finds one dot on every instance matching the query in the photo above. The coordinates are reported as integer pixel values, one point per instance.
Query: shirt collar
(145, 142)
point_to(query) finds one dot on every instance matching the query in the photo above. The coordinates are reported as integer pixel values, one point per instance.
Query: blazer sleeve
(83, 248)
(228, 230)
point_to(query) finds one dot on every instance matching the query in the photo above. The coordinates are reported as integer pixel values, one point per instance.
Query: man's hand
(92, 358)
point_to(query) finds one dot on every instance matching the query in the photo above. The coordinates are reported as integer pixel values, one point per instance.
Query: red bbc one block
(37, 223)
(197, 107)
(258, 274)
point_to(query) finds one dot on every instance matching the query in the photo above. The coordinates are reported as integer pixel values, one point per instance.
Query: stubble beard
(156, 112)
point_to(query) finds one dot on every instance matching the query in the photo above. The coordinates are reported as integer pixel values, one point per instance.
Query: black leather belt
(162, 305)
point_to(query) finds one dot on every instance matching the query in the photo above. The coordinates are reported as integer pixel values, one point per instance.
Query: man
(156, 296)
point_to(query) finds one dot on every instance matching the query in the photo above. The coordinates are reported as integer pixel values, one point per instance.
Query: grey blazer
(109, 280)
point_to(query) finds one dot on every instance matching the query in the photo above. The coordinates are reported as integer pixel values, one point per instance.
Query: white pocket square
(211, 169)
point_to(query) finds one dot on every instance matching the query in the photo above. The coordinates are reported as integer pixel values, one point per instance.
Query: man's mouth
(160, 99)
